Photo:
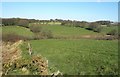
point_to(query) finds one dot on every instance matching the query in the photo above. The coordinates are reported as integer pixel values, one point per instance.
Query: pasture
(64, 31)
(72, 56)
(17, 30)
(78, 57)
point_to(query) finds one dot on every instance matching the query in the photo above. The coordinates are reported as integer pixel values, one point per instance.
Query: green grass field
(63, 31)
(17, 30)
(84, 57)
(57, 31)
(72, 56)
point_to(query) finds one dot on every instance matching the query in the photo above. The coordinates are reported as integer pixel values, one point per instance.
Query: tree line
(17, 21)
(94, 26)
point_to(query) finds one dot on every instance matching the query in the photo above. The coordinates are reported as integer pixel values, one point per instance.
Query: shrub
(47, 33)
(40, 33)
(44, 34)
(12, 37)
(35, 28)
(113, 32)
(95, 27)
(106, 38)
(37, 36)
(98, 29)
(84, 24)
(23, 23)
(63, 23)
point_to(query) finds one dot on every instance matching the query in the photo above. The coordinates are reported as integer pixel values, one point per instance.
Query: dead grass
(11, 51)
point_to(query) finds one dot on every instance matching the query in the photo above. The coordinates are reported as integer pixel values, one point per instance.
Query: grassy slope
(79, 56)
(108, 29)
(17, 30)
(59, 30)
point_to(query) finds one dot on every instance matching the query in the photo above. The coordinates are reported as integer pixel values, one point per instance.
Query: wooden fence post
(30, 49)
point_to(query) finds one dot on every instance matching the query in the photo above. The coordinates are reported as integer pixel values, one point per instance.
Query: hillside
(17, 30)
(68, 32)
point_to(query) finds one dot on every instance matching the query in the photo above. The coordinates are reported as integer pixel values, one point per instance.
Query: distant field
(17, 30)
(52, 23)
(82, 56)
(58, 31)
(63, 31)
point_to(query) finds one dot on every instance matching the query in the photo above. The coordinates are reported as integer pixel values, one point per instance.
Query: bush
(98, 29)
(113, 32)
(40, 33)
(47, 33)
(106, 37)
(43, 35)
(95, 27)
(35, 28)
(12, 37)
(23, 23)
